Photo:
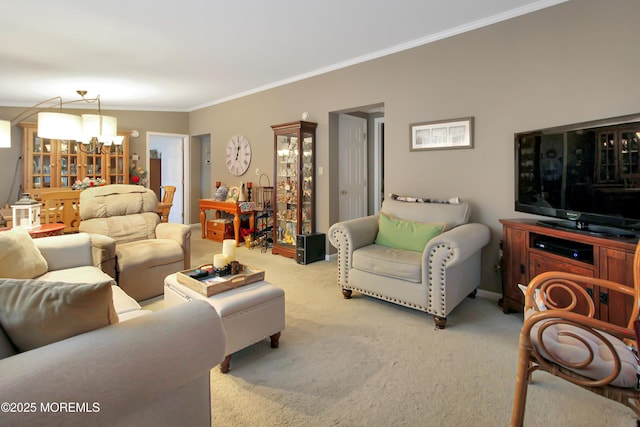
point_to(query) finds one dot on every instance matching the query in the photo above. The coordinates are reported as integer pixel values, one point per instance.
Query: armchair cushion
(34, 313)
(20, 258)
(408, 235)
(390, 262)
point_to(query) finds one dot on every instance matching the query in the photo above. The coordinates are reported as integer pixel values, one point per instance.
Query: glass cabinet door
(41, 163)
(606, 157)
(286, 191)
(629, 166)
(69, 157)
(307, 183)
(118, 173)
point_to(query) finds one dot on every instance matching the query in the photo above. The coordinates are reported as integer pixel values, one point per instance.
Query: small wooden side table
(45, 230)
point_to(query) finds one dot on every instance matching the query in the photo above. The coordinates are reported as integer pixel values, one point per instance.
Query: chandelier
(93, 131)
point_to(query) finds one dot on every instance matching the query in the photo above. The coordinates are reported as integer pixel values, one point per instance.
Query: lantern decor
(26, 212)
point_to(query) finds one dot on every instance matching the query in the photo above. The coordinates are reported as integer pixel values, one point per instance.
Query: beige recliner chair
(146, 250)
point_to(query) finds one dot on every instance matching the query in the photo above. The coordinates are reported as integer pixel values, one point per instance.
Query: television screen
(587, 174)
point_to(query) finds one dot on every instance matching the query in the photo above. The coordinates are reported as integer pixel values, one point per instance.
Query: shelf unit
(51, 163)
(294, 189)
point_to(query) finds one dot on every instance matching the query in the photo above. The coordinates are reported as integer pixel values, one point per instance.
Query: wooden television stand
(531, 249)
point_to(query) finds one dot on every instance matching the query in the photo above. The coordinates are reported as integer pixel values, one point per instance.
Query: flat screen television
(585, 175)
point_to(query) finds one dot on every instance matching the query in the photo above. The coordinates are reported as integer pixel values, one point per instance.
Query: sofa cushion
(34, 313)
(390, 262)
(408, 235)
(19, 257)
(149, 253)
(6, 347)
(84, 274)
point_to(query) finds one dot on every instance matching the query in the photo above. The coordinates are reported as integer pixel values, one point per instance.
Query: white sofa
(148, 369)
(435, 280)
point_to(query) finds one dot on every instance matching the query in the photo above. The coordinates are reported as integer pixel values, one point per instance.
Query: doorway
(352, 167)
(172, 150)
(369, 166)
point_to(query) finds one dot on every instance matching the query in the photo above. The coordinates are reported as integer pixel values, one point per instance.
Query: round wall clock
(238, 155)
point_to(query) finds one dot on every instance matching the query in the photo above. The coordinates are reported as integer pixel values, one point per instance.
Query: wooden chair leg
(440, 322)
(346, 293)
(522, 383)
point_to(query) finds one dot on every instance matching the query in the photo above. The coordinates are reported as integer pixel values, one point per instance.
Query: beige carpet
(364, 362)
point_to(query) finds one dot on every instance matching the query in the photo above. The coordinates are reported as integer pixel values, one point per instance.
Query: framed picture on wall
(443, 134)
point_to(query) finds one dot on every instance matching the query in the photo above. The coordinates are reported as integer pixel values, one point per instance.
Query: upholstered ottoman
(249, 313)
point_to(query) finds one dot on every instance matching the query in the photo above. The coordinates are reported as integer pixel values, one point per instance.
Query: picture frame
(233, 195)
(441, 134)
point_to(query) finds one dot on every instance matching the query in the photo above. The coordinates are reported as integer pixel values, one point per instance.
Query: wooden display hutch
(50, 163)
(294, 189)
(531, 249)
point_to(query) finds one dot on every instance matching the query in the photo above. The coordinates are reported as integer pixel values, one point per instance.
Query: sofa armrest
(103, 250)
(464, 241)
(121, 368)
(181, 233)
(347, 236)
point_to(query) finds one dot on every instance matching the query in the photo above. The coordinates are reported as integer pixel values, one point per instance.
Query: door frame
(186, 158)
(378, 139)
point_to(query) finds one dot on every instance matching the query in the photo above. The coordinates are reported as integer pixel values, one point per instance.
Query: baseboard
(489, 295)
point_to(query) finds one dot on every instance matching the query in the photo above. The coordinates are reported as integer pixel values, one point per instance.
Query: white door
(171, 149)
(353, 167)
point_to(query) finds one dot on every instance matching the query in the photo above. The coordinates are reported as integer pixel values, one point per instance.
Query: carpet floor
(365, 362)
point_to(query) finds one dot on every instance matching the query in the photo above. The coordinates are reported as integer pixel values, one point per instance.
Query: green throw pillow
(408, 235)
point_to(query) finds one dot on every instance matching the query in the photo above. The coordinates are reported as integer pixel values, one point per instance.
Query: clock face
(238, 155)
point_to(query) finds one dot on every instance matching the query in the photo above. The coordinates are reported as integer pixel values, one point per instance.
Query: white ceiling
(183, 55)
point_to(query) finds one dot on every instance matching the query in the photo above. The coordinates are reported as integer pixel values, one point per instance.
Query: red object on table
(45, 230)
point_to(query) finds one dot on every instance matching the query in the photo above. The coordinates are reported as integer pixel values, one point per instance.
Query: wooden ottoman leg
(226, 364)
(275, 340)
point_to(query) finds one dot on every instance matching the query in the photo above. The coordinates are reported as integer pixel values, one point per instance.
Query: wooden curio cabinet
(50, 163)
(294, 189)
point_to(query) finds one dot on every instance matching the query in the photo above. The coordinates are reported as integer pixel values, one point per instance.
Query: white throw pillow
(537, 297)
(19, 256)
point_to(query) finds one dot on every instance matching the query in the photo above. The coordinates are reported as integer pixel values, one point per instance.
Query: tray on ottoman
(212, 284)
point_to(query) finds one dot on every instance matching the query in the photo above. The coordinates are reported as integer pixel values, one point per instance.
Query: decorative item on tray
(208, 280)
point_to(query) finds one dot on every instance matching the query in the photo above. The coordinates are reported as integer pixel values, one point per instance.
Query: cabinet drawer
(219, 230)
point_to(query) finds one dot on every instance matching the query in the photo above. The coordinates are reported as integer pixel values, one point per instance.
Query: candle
(229, 249)
(218, 183)
(249, 184)
(220, 261)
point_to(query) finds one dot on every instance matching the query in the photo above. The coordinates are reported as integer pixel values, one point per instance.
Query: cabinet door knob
(343, 192)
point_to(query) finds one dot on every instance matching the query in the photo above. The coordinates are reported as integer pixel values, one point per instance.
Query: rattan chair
(561, 336)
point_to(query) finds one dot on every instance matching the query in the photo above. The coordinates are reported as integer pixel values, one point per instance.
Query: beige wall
(569, 63)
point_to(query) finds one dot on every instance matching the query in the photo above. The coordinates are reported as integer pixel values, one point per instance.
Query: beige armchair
(434, 280)
(146, 250)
